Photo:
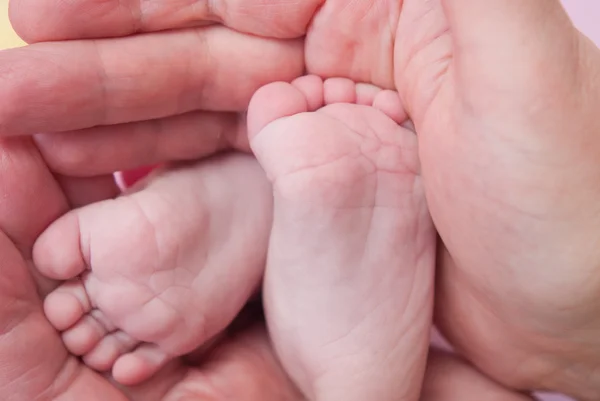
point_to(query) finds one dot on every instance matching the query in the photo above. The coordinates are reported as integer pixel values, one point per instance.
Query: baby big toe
(57, 252)
(272, 102)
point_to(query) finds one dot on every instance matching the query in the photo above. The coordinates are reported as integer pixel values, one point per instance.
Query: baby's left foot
(349, 282)
(156, 273)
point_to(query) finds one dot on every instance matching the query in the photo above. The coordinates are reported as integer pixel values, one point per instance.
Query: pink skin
(349, 280)
(38, 367)
(132, 311)
(434, 43)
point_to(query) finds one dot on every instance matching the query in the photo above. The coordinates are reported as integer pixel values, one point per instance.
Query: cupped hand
(37, 365)
(504, 95)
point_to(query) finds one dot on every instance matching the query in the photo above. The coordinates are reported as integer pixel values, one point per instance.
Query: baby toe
(141, 364)
(57, 252)
(339, 90)
(85, 334)
(274, 101)
(366, 94)
(313, 89)
(65, 306)
(108, 350)
(390, 104)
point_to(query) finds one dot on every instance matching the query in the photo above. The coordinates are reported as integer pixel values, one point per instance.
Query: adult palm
(504, 96)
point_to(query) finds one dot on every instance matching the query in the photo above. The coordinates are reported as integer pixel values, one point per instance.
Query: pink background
(586, 14)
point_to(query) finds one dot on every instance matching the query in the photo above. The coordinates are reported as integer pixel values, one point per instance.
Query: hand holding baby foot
(505, 104)
(243, 367)
(348, 284)
(157, 272)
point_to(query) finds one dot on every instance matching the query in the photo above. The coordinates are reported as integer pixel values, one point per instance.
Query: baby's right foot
(163, 269)
(349, 282)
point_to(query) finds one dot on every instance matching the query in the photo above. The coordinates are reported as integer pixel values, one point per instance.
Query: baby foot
(349, 280)
(156, 273)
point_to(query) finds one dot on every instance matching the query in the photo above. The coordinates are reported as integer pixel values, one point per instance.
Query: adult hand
(504, 95)
(36, 364)
(133, 100)
(167, 86)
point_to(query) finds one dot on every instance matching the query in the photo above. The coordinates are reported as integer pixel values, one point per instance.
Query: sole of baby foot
(163, 269)
(349, 279)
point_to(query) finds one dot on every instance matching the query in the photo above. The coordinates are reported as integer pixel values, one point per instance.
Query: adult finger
(449, 378)
(46, 20)
(33, 198)
(106, 149)
(73, 85)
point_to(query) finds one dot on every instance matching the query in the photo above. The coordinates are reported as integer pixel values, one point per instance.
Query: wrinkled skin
(503, 103)
(242, 366)
(502, 144)
(39, 366)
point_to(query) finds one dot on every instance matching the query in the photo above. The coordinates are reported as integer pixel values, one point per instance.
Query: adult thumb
(508, 35)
